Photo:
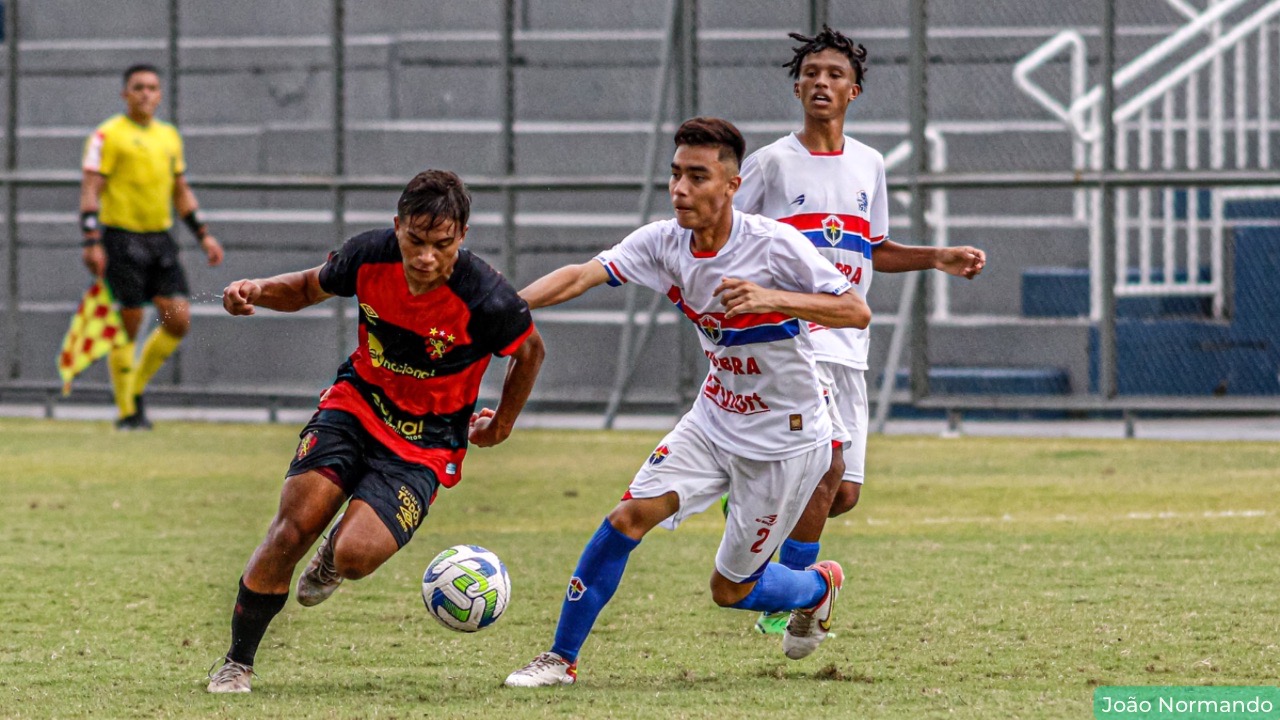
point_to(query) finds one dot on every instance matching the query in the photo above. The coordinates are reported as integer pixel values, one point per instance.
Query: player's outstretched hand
(740, 297)
(483, 431)
(212, 250)
(238, 297)
(962, 261)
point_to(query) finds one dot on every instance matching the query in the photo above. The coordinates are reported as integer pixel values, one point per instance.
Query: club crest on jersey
(862, 201)
(576, 589)
(659, 455)
(833, 229)
(439, 342)
(308, 443)
(711, 328)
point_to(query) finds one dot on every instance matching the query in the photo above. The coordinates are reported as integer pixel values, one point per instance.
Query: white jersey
(836, 200)
(761, 398)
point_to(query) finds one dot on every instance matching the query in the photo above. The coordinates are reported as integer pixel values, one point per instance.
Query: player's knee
(727, 593)
(355, 560)
(846, 498)
(287, 537)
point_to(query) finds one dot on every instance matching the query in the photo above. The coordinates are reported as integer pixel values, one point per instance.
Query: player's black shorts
(141, 266)
(336, 445)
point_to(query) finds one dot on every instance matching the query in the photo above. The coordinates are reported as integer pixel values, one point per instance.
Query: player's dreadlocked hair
(828, 39)
(438, 194)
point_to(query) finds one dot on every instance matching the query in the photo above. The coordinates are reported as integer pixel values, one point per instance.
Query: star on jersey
(833, 229)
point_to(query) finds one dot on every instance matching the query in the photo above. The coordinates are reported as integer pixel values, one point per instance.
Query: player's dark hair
(140, 67)
(713, 132)
(437, 194)
(828, 39)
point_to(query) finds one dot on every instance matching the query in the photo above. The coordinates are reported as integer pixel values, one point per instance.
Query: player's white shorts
(767, 496)
(846, 390)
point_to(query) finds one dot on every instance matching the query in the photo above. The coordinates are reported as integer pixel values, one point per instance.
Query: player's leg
(168, 289)
(680, 478)
(307, 503)
(124, 276)
(768, 498)
(800, 549)
(313, 492)
(856, 410)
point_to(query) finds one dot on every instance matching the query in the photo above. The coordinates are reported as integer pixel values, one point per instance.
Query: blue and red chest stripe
(850, 232)
(748, 329)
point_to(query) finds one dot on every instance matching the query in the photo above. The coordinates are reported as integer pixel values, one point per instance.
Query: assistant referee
(133, 180)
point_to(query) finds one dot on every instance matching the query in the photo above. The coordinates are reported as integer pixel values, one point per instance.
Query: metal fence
(1146, 176)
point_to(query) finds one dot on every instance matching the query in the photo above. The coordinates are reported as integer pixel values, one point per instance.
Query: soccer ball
(466, 588)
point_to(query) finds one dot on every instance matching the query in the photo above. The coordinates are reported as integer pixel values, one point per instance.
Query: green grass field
(986, 578)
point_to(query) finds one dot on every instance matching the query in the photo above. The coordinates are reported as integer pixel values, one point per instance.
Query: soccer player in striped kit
(759, 428)
(831, 188)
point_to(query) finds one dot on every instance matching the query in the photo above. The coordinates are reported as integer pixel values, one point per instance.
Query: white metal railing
(1165, 236)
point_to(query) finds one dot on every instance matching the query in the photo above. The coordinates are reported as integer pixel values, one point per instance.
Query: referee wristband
(89, 221)
(195, 225)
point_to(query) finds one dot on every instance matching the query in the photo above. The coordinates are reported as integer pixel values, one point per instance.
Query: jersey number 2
(764, 535)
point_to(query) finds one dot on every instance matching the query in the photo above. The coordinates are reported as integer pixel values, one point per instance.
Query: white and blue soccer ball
(466, 588)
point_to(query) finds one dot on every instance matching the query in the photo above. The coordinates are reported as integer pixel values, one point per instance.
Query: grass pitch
(986, 578)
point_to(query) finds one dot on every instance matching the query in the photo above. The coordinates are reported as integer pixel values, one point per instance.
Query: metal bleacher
(423, 89)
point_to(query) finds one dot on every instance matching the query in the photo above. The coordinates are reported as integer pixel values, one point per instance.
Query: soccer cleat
(232, 677)
(772, 623)
(545, 670)
(808, 627)
(321, 577)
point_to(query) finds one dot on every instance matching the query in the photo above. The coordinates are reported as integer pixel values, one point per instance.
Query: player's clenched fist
(238, 297)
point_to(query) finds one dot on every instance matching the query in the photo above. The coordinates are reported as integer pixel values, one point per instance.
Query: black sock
(249, 622)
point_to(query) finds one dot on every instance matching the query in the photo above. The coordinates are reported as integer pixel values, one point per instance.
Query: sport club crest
(659, 454)
(710, 327)
(439, 342)
(307, 445)
(833, 229)
(862, 201)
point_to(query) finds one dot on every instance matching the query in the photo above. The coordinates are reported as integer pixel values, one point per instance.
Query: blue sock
(593, 583)
(798, 555)
(781, 588)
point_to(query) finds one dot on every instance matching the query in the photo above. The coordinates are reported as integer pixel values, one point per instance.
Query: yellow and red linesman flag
(95, 330)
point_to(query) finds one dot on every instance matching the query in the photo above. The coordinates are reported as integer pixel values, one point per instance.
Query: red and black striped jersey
(414, 379)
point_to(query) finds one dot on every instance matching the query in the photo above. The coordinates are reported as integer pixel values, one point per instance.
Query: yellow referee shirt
(140, 165)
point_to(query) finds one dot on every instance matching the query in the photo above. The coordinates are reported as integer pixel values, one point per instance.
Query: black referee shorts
(142, 266)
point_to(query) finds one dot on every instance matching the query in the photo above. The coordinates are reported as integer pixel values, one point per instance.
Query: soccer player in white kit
(831, 188)
(759, 427)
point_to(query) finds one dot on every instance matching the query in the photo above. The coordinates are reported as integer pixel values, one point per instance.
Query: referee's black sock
(249, 622)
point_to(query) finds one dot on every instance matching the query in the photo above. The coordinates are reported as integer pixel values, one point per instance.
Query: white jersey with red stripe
(761, 398)
(836, 200)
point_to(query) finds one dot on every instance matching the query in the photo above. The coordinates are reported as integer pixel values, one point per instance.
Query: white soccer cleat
(232, 677)
(321, 577)
(544, 671)
(808, 627)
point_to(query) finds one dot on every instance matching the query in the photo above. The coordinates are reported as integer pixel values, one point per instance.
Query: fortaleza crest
(659, 455)
(833, 229)
(439, 342)
(710, 327)
(576, 589)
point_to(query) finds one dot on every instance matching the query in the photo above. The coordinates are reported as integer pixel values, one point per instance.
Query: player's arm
(289, 292)
(847, 309)
(961, 261)
(91, 185)
(564, 284)
(184, 201)
(490, 427)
